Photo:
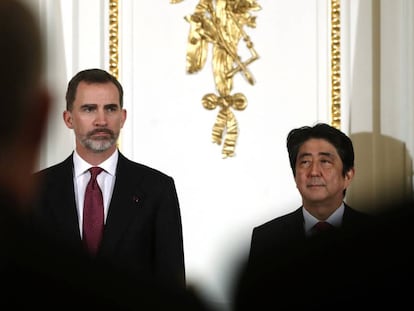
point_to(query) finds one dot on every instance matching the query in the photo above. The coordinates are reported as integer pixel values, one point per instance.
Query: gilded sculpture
(221, 23)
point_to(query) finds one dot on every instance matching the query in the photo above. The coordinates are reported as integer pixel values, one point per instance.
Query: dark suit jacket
(288, 231)
(143, 232)
(288, 271)
(38, 273)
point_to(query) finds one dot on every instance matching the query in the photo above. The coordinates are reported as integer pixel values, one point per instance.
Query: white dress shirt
(335, 219)
(106, 181)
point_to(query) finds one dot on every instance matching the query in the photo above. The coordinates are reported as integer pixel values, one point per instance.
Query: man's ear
(67, 118)
(124, 116)
(349, 176)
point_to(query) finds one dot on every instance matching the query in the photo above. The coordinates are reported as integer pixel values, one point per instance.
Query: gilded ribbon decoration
(336, 63)
(113, 38)
(221, 23)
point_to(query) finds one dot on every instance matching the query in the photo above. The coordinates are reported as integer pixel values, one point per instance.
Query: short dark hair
(338, 139)
(91, 76)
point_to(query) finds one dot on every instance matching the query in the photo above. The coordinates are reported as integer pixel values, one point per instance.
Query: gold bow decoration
(221, 23)
(225, 121)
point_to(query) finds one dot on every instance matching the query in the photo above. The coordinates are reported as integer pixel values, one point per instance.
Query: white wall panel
(167, 127)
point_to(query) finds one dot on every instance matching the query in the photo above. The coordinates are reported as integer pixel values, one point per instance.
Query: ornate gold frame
(113, 38)
(336, 63)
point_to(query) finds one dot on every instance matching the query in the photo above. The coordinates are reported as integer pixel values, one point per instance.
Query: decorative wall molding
(113, 38)
(336, 63)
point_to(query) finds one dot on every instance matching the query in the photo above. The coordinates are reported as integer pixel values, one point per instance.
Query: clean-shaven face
(319, 177)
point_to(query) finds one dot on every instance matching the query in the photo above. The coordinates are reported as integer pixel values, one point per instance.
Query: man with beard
(137, 228)
(37, 273)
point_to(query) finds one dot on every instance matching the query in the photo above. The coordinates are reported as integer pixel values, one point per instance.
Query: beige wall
(384, 170)
(381, 102)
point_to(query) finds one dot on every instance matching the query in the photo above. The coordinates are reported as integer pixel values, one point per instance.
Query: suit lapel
(296, 225)
(63, 200)
(354, 219)
(125, 203)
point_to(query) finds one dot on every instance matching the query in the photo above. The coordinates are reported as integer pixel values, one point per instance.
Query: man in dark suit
(322, 162)
(366, 269)
(142, 232)
(37, 273)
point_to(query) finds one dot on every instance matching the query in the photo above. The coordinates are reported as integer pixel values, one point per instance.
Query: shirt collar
(81, 166)
(335, 219)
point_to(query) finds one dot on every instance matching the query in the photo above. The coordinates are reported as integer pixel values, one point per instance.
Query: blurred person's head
(24, 98)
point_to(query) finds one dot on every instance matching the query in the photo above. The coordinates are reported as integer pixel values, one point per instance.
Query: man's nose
(315, 169)
(100, 119)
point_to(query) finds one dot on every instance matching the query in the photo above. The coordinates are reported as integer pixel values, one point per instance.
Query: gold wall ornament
(113, 38)
(113, 44)
(336, 63)
(221, 23)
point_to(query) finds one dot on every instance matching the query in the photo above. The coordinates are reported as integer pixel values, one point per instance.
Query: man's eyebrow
(111, 105)
(88, 105)
(322, 153)
(327, 154)
(303, 154)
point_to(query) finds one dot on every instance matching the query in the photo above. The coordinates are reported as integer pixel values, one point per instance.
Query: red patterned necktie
(93, 213)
